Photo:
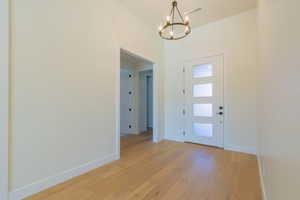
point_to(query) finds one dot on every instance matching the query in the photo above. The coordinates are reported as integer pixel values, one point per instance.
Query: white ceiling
(155, 11)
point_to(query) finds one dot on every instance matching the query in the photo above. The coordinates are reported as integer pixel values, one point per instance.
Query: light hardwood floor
(165, 171)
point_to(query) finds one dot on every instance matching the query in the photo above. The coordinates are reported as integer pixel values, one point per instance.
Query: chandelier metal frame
(184, 22)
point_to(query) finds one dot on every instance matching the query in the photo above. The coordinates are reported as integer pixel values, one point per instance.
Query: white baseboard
(48, 182)
(230, 148)
(176, 139)
(261, 176)
(247, 150)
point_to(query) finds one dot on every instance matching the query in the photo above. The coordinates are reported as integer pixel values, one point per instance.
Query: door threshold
(205, 145)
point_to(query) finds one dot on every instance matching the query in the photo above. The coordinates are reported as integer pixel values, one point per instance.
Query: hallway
(165, 171)
(132, 140)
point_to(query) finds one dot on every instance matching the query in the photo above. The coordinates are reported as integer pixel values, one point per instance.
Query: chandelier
(177, 26)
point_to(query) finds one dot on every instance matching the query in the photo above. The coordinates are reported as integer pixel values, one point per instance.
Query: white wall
(65, 62)
(136, 100)
(133, 85)
(4, 92)
(279, 96)
(235, 37)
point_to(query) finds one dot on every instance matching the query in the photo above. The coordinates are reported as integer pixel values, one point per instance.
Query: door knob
(220, 113)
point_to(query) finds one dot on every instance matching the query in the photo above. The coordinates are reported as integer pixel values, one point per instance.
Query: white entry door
(204, 109)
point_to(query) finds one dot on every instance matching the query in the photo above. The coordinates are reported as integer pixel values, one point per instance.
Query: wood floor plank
(164, 171)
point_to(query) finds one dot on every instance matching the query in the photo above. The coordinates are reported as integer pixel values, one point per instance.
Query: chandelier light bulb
(168, 19)
(176, 25)
(186, 19)
(187, 29)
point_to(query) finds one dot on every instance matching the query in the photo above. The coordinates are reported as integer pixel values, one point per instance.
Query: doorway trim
(4, 93)
(155, 99)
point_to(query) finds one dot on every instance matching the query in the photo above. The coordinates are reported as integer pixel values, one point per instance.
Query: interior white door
(204, 109)
(126, 116)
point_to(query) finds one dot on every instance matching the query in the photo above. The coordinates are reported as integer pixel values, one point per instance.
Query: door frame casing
(155, 99)
(4, 93)
(222, 81)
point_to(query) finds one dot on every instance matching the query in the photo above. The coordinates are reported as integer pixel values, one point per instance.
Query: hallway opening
(136, 97)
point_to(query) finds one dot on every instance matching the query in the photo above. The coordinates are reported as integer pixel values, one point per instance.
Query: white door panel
(204, 110)
(126, 116)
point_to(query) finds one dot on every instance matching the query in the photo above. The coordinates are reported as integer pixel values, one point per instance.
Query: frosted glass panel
(202, 110)
(203, 90)
(203, 130)
(204, 70)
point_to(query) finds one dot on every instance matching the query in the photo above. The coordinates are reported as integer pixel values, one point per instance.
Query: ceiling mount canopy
(177, 25)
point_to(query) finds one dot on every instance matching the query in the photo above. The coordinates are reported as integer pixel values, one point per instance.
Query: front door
(204, 109)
